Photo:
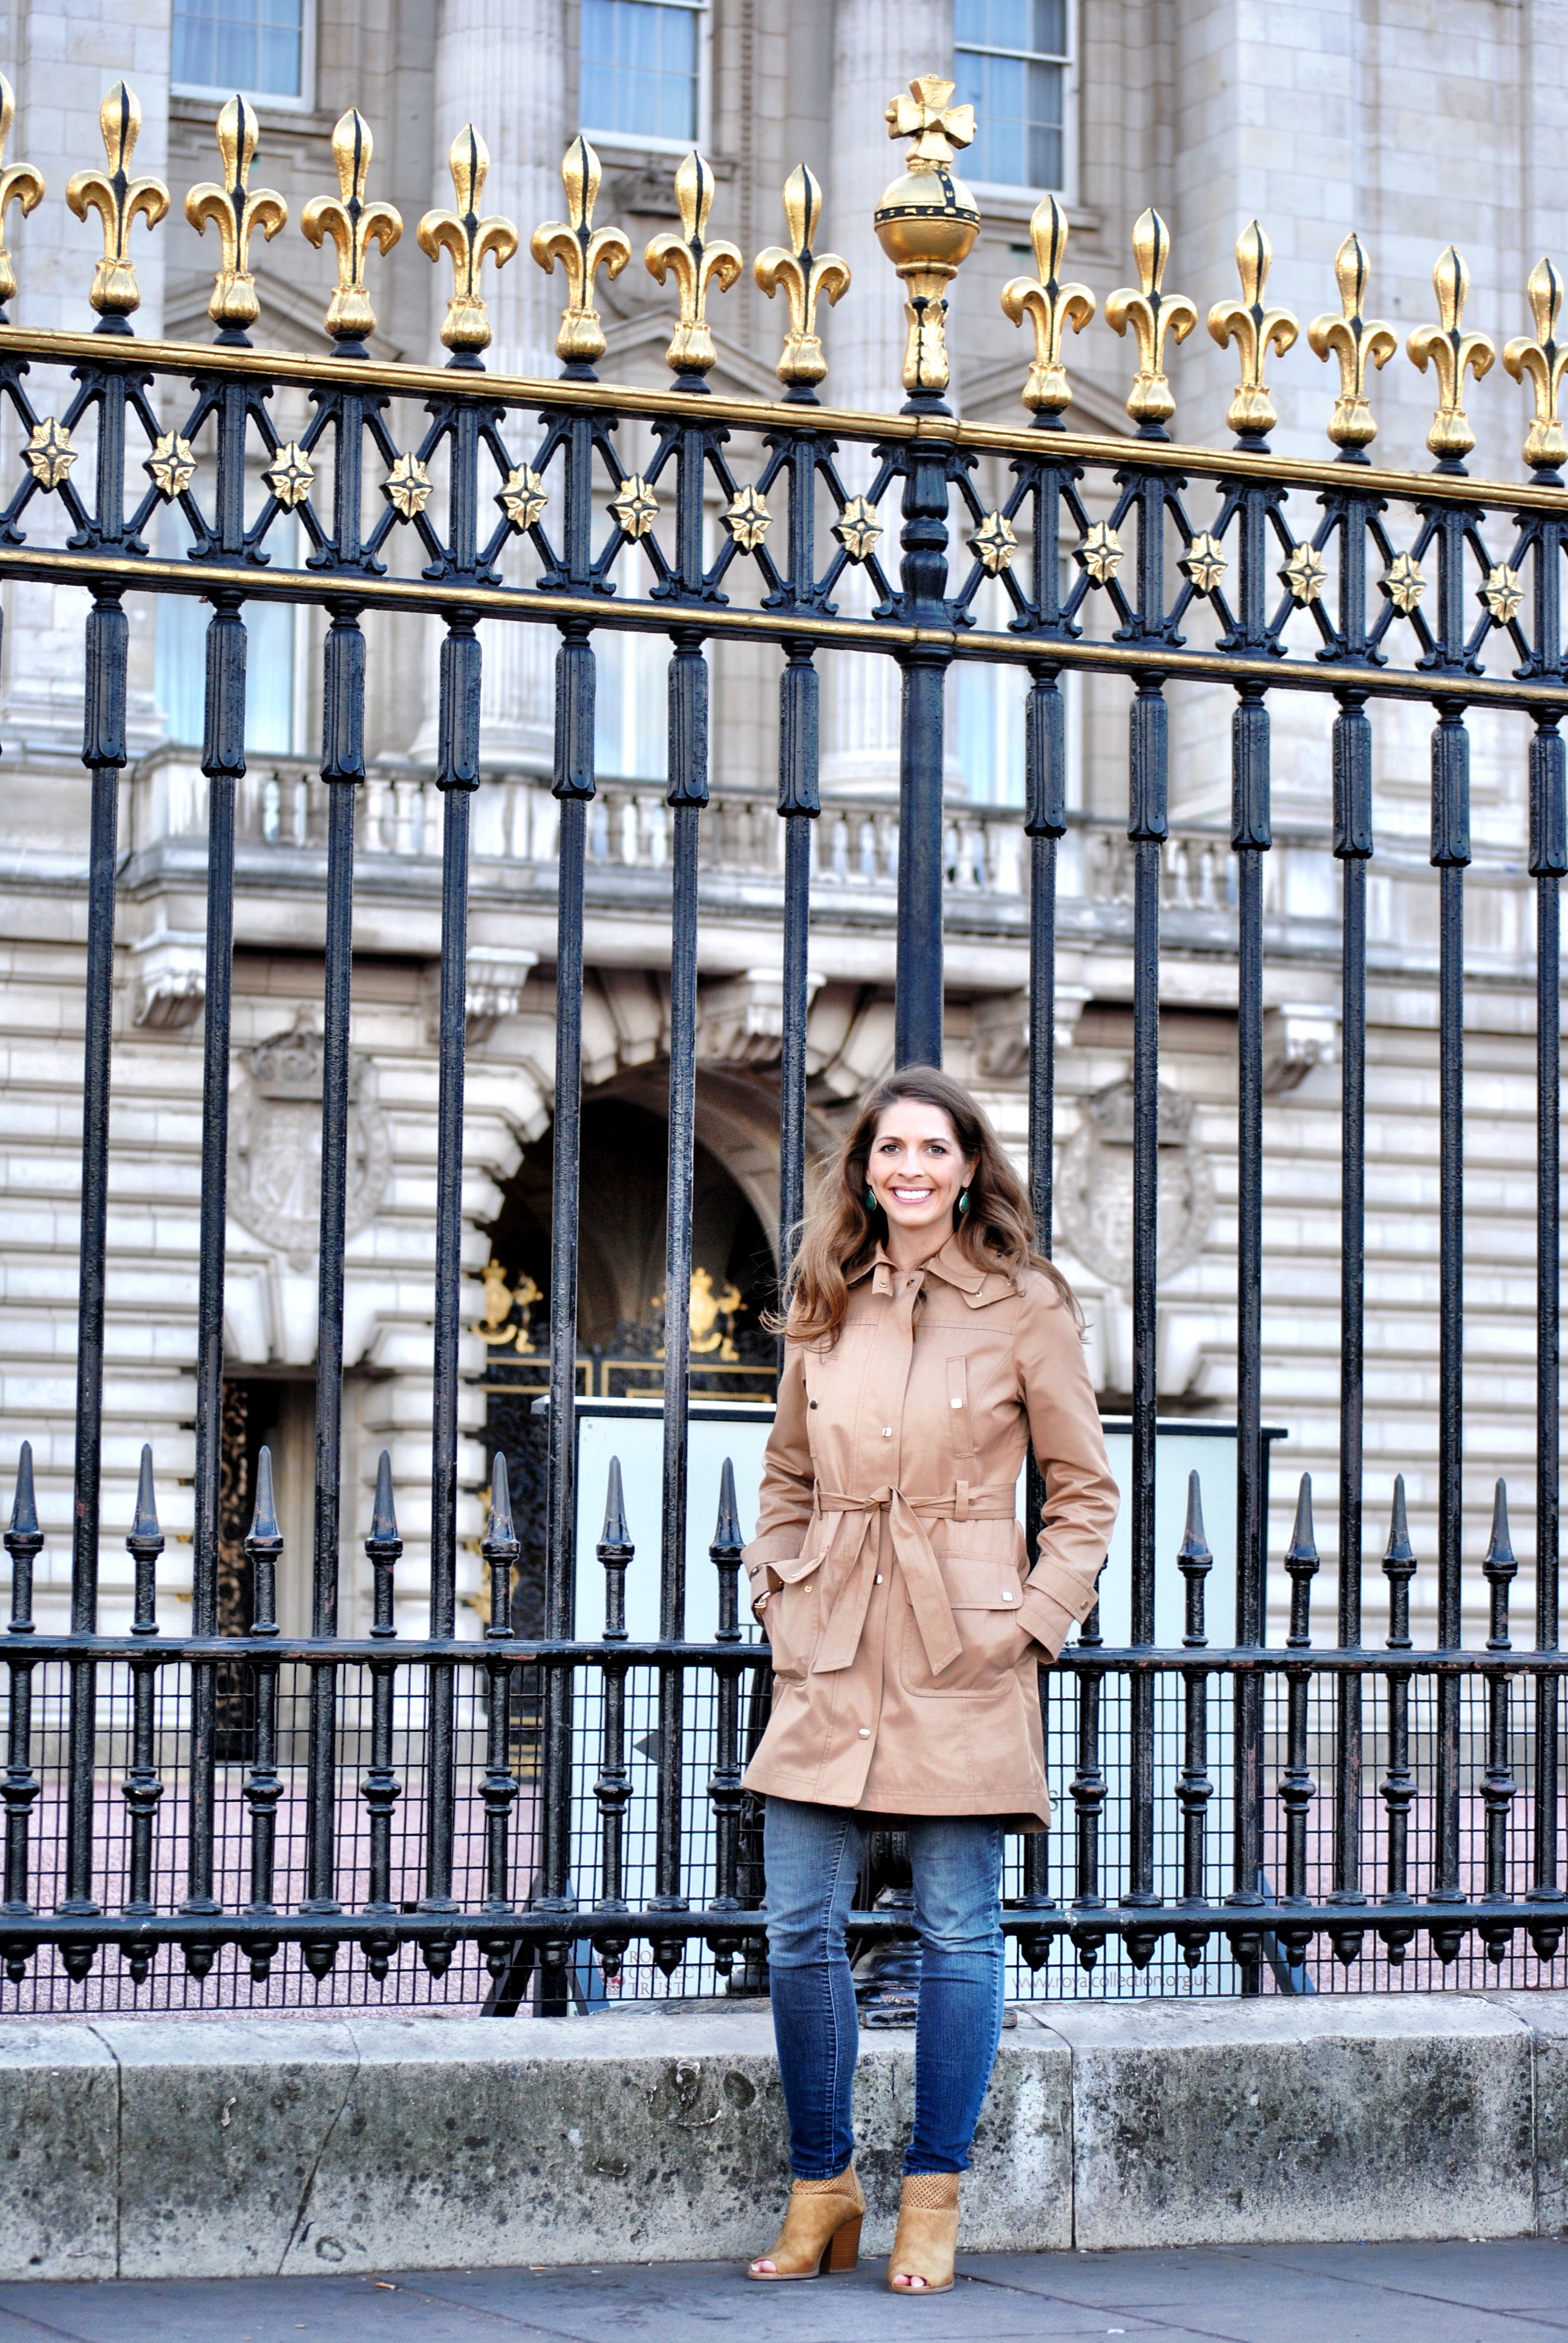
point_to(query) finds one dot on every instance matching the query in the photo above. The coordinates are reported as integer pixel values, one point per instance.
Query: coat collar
(949, 1263)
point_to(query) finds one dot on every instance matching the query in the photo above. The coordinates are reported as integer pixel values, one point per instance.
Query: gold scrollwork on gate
(1255, 329)
(468, 242)
(354, 225)
(1150, 314)
(1357, 341)
(806, 277)
(117, 199)
(19, 184)
(1451, 353)
(1542, 363)
(697, 262)
(1050, 305)
(582, 250)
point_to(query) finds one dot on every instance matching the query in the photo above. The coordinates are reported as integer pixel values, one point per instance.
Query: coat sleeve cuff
(774, 1546)
(1045, 1619)
(1054, 1601)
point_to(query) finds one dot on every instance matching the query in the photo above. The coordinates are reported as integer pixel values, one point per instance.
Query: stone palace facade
(1412, 125)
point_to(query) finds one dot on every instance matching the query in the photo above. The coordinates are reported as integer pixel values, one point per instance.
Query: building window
(1012, 66)
(641, 65)
(256, 45)
(274, 665)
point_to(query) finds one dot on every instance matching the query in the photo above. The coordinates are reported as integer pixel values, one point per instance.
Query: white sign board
(633, 1430)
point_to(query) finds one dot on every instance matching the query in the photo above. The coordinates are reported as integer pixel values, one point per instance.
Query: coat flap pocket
(981, 1586)
(796, 1566)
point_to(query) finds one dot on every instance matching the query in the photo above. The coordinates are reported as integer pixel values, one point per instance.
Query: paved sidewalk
(1282, 2294)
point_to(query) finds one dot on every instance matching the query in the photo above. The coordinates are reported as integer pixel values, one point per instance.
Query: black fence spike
(500, 1529)
(1499, 1550)
(1399, 1548)
(24, 1506)
(1302, 1548)
(384, 1519)
(726, 1528)
(263, 1519)
(146, 1525)
(615, 1530)
(1194, 1543)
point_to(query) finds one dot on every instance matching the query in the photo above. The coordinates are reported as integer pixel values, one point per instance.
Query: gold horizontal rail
(301, 370)
(134, 573)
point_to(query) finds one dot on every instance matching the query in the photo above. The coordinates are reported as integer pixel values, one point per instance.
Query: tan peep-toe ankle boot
(927, 2233)
(821, 2232)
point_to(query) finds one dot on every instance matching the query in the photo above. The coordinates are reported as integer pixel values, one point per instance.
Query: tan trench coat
(888, 1564)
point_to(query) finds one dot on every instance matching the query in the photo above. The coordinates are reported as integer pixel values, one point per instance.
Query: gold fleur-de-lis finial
(19, 184)
(582, 250)
(1357, 341)
(1544, 360)
(806, 275)
(1050, 306)
(117, 198)
(236, 213)
(470, 241)
(1255, 329)
(695, 262)
(354, 226)
(1451, 352)
(1151, 313)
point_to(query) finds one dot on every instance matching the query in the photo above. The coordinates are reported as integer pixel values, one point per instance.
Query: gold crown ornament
(927, 222)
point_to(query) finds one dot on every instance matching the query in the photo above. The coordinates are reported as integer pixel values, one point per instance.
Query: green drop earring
(964, 1201)
(870, 1199)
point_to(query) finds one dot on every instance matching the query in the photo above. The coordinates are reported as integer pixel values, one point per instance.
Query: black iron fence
(319, 1802)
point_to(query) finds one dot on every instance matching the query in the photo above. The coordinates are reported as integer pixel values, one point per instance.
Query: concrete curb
(243, 2147)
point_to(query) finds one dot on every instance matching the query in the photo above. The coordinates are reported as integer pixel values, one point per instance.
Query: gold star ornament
(1503, 593)
(1203, 563)
(290, 476)
(994, 543)
(747, 519)
(523, 499)
(636, 508)
(1306, 573)
(171, 465)
(49, 453)
(1403, 584)
(1099, 553)
(858, 529)
(409, 487)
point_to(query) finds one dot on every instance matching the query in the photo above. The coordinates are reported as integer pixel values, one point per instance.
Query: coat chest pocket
(793, 1617)
(984, 1598)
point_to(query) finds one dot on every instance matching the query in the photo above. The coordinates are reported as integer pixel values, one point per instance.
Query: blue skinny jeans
(813, 1854)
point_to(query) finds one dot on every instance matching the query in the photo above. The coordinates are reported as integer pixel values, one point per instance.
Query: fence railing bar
(1147, 829)
(342, 766)
(223, 763)
(688, 795)
(263, 1786)
(1353, 815)
(457, 776)
(1548, 861)
(104, 754)
(612, 1788)
(143, 1789)
(1450, 853)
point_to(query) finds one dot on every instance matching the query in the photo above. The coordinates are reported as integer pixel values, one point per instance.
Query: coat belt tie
(849, 1542)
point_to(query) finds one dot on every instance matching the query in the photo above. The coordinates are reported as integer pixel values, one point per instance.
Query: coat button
(879, 1578)
(887, 1431)
(865, 1733)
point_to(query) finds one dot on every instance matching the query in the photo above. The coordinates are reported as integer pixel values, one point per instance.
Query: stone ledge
(238, 2146)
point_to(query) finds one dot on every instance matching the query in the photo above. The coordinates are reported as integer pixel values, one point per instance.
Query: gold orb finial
(927, 222)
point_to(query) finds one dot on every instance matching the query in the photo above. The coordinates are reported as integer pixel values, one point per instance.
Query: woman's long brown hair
(840, 1234)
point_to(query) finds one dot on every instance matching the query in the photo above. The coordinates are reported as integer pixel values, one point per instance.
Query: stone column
(501, 65)
(878, 46)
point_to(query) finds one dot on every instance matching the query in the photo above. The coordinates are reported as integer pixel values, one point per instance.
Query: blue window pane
(1037, 26)
(639, 68)
(1017, 115)
(251, 45)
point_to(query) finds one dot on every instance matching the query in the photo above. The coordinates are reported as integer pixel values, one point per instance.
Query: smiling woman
(927, 1346)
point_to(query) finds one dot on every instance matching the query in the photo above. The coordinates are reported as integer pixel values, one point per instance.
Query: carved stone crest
(1094, 1186)
(274, 1144)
